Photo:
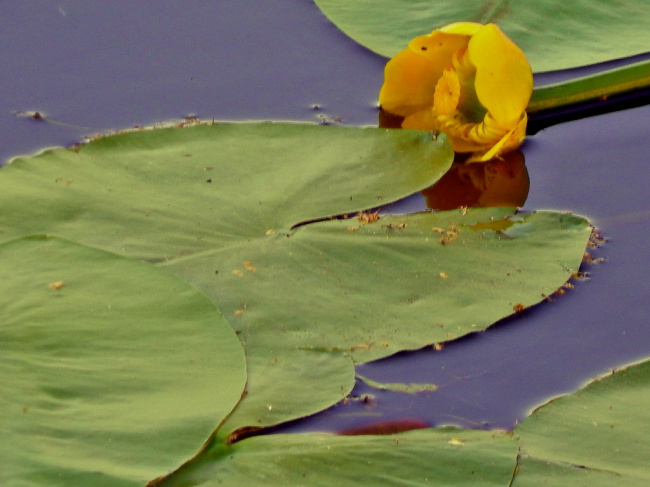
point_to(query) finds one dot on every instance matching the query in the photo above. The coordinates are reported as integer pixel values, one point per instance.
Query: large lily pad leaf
(216, 205)
(178, 193)
(597, 436)
(554, 34)
(422, 457)
(399, 283)
(112, 371)
(162, 194)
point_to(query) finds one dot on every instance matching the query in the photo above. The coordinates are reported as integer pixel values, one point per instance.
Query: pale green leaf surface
(185, 193)
(166, 193)
(597, 436)
(214, 204)
(115, 377)
(378, 290)
(285, 384)
(416, 458)
(554, 34)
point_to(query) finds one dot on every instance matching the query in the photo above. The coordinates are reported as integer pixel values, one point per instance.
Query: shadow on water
(98, 66)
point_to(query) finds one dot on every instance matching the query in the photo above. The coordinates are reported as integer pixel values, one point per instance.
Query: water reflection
(500, 182)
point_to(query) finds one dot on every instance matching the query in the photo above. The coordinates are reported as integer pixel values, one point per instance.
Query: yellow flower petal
(410, 78)
(509, 142)
(421, 120)
(467, 80)
(409, 82)
(504, 80)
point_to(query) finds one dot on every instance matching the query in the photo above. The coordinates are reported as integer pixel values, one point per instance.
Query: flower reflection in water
(499, 182)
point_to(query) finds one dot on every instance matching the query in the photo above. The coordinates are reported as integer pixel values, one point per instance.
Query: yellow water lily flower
(467, 80)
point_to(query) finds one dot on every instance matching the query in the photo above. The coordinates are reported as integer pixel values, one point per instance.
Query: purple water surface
(97, 66)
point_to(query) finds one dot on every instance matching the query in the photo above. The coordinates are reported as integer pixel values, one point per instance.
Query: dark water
(97, 66)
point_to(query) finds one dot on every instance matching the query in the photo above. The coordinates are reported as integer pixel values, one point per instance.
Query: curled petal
(410, 78)
(509, 142)
(409, 82)
(504, 80)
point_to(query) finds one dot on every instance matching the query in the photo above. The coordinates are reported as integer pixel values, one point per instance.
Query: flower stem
(609, 91)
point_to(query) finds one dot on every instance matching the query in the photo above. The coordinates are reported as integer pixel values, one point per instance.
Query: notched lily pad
(218, 204)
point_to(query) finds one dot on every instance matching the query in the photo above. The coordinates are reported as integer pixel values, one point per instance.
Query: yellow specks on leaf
(366, 217)
(57, 285)
(237, 273)
(443, 275)
(238, 312)
(456, 442)
(450, 234)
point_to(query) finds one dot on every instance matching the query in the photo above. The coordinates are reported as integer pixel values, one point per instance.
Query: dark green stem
(609, 91)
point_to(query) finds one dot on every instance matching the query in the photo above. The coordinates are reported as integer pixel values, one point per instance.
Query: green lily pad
(181, 193)
(112, 371)
(597, 436)
(419, 458)
(218, 204)
(554, 34)
(399, 283)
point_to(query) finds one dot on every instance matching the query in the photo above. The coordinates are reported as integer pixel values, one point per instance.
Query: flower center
(447, 94)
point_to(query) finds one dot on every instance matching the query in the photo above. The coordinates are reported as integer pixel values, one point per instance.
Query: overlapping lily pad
(554, 34)
(597, 436)
(418, 458)
(217, 205)
(112, 371)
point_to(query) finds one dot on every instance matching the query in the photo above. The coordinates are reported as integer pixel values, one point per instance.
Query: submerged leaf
(412, 388)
